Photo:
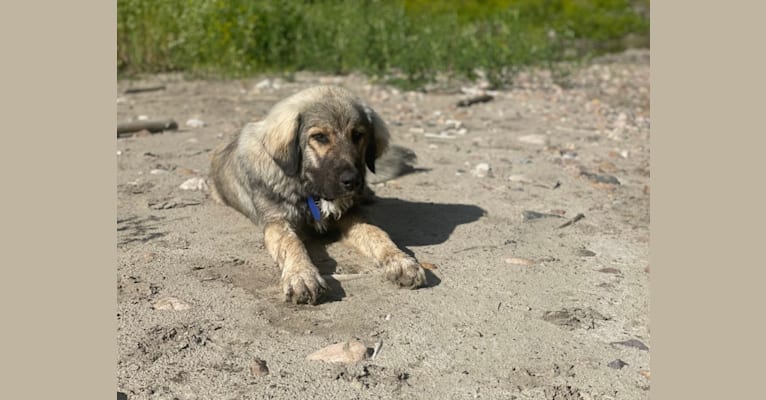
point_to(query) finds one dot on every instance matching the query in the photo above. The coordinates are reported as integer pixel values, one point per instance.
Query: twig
(473, 100)
(346, 277)
(144, 89)
(573, 220)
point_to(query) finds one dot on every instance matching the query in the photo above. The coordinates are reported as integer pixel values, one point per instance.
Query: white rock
(482, 170)
(119, 152)
(350, 352)
(195, 123)
(533, 139)
(519, 178)
(196, 183)
(264, 84)
(158, 171)
(142, 117)
(453, 124)
(171, 303)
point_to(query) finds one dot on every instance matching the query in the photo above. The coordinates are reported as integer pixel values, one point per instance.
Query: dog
(303, 170)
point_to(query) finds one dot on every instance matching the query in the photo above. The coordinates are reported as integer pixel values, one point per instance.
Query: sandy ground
(519, 306)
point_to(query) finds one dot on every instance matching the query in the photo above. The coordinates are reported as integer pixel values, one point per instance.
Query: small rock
(119, 152)
(440, 135)
(171, 303)
(264, 84)
(258, 368)
(534, 139)
(453, 124)
(585, 253)
(194, 184)
(350, 352)
(633, 343)
(646, 374)
(158, 171)
(609, 270)
(519, 178)
(376, 349)
(528, 215)
(599, 178)
(195, 123)
(617, 364)
(142, 117)
(193, 140)
(482, 170)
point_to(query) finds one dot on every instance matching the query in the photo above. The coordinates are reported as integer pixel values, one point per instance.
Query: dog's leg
(301, 282)
(373, 242)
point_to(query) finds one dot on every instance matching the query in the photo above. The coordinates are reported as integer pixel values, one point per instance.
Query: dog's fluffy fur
(318, 142)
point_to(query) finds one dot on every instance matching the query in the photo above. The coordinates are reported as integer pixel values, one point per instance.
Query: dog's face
(332, 138)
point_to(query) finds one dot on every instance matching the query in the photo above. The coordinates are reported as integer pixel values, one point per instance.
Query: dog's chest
(322, 213)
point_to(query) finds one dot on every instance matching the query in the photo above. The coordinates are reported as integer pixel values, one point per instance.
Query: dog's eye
(321, 138)
(356, 136)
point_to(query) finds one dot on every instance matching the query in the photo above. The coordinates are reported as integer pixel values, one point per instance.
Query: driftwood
(157, 125)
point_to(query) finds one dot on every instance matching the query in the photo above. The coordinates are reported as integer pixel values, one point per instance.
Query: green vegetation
(412, 40)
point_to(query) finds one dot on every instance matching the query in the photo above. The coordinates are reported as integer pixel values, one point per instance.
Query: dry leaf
(429, 266)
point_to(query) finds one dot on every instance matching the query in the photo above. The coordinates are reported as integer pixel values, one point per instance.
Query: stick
(144, 89)
(473, 100)
(150, 125)
(573, 220)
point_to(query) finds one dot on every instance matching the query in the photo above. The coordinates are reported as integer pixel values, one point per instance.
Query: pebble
(194, 184)
(195, 123)
(171, 303)
(158, 171)
(533, 139)
(519, 178)
(350, 352)
(482, 170)
(601, 178)
(258, 368)
(633, 343)
(528, 215)
(617, 364)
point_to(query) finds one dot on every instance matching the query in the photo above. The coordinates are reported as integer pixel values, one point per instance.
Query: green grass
(410, 41)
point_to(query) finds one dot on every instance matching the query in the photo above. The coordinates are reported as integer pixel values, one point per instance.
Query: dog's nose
(349, 179)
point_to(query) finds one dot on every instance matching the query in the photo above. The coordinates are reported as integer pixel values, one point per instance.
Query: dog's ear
(378, 143)
(282, 140)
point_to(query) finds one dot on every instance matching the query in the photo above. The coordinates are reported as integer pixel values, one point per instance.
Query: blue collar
(314, 209)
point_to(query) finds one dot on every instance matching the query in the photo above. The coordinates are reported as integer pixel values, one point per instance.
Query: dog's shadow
(408, 223)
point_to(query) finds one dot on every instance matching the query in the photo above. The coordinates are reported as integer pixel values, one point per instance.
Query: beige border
(708, 102)
(58, 203)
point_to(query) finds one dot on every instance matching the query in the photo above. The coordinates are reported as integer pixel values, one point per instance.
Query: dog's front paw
(303, 286)
(405, 272)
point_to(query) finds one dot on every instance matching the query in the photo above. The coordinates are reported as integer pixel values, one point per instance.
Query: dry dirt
(518, 307)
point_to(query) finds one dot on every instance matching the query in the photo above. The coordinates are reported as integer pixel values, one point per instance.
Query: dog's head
(326, 137)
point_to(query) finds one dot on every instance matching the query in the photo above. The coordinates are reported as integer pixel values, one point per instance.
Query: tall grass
(412, 39)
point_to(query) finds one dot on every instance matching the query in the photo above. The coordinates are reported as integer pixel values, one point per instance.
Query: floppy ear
(378, 144)
(282, 140)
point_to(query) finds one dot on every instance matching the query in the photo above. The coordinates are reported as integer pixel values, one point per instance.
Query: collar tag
(314, 209)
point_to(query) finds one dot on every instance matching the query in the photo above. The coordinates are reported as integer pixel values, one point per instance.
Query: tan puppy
(315, 145)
